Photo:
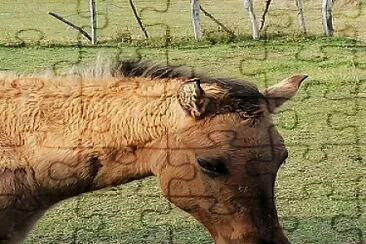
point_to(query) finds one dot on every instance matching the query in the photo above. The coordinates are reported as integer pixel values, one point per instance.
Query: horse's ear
(278, 94)
(192, 98)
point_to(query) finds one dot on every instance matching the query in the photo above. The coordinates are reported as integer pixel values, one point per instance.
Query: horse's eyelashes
(212, 166)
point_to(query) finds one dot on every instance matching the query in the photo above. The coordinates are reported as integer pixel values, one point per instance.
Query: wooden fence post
(327, 20)
(195, 8)
(248, 5)
(300, 15)
(93, 22)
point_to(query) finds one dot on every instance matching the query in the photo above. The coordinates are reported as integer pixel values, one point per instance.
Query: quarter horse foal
(210, 141)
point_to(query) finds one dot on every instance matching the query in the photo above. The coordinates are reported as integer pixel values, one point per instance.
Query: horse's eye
(212, 166)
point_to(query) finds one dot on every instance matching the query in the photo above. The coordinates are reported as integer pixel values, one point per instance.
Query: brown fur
(63, 135)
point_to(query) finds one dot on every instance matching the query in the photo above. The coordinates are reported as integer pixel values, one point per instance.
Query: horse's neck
(126, 112)
(61, 126)
(106, 131)
(66, 172)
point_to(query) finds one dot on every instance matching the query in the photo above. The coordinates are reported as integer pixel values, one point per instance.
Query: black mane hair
(241, 96)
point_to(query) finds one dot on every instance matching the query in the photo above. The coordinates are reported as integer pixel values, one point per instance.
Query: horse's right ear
(192, 98)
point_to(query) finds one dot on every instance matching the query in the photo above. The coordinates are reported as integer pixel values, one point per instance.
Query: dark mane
(241, 96)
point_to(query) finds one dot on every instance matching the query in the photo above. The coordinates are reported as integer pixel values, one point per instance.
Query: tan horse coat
(64, 135)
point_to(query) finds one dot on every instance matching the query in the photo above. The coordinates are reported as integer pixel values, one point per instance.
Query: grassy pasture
(320, 191)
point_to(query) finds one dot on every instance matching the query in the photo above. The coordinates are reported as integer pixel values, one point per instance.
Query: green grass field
(320, 191)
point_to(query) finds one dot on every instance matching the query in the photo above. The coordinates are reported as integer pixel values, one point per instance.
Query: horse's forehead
(237, 133)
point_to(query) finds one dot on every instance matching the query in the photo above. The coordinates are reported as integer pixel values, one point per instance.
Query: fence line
(189, 19)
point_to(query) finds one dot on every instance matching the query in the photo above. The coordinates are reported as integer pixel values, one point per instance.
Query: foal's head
(222, 164)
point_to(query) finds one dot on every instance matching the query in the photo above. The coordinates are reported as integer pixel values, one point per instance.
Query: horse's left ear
(278, 94)
(192, 98)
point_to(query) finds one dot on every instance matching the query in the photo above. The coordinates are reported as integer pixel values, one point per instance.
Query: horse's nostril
(284, 156)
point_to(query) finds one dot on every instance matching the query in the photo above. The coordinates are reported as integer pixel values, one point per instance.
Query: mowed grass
(320, 191)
